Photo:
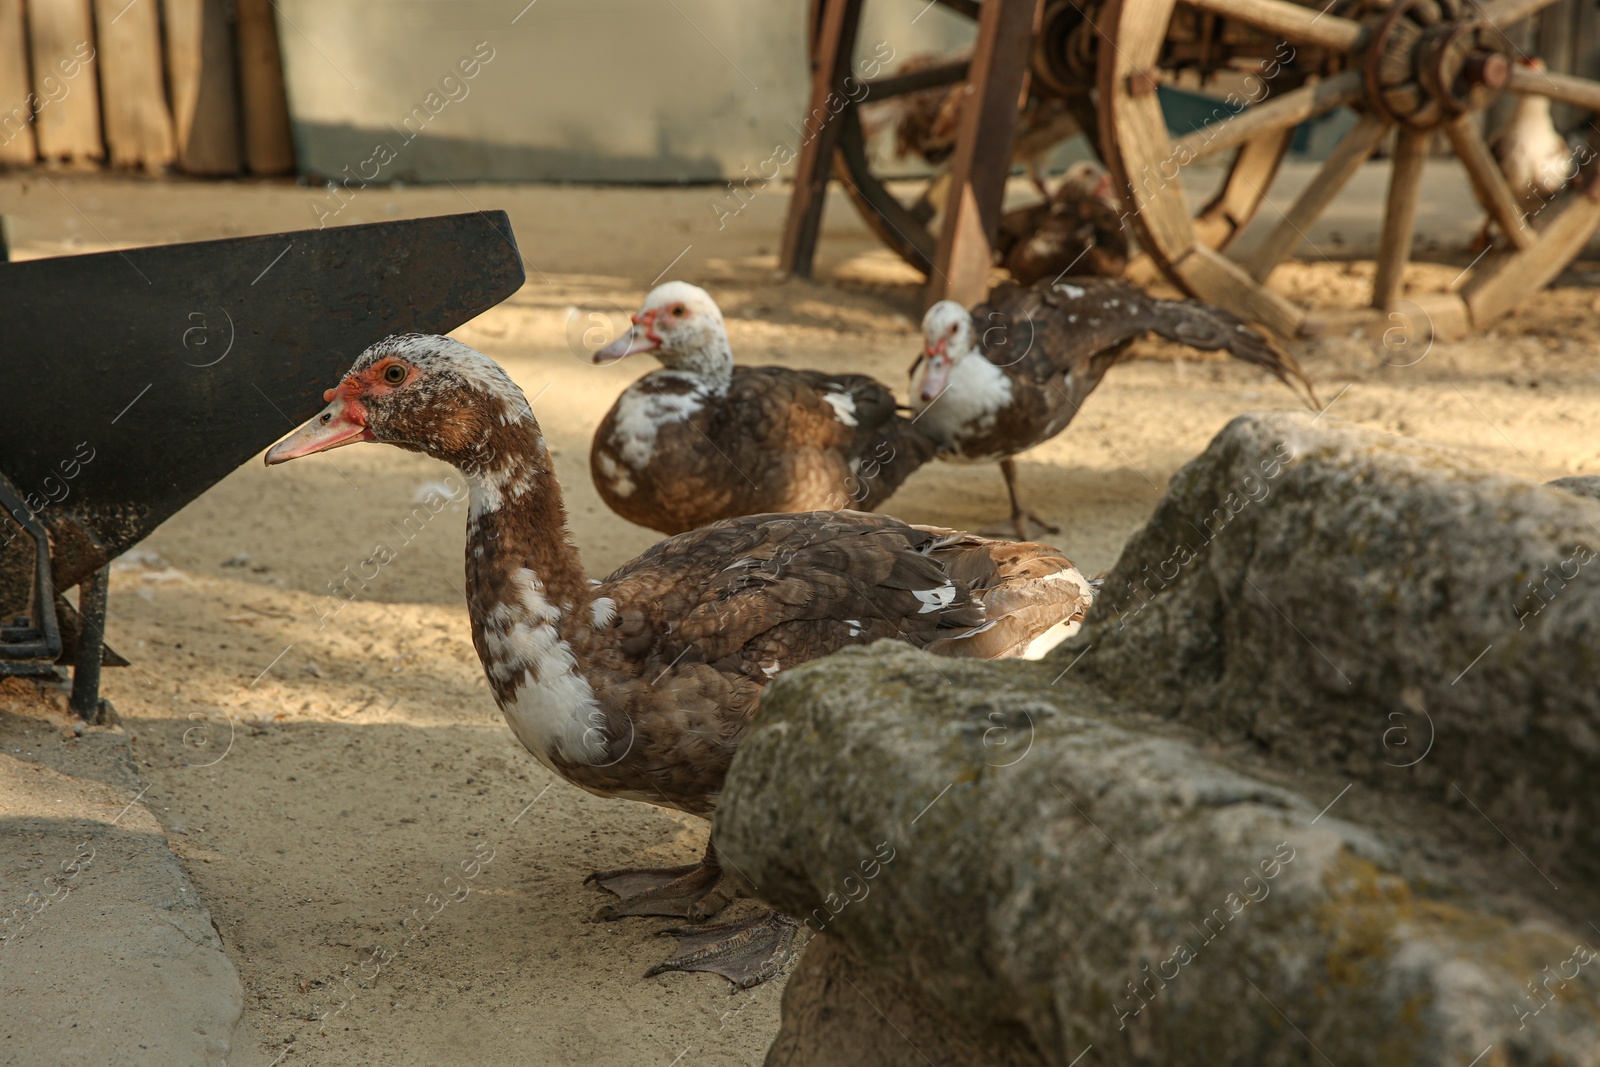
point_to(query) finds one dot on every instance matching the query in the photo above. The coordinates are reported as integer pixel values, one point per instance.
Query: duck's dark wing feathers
(1047, 329)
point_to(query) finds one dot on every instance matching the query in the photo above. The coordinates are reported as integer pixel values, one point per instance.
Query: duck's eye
(394, 374)
(953, 328)
(678, 311)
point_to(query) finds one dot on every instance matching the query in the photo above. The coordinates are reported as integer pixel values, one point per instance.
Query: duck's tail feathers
(1213, 329)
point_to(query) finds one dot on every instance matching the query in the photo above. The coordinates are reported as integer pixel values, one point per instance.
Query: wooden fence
(195, 85)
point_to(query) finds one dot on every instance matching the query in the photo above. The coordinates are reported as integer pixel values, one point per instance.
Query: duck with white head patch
(642, 685)
(703, 439)
(1013, 372)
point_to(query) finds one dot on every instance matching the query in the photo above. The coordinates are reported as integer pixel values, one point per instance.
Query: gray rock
(1582, 484)
(1130, 848)
(1354, 600)
(1029, 866)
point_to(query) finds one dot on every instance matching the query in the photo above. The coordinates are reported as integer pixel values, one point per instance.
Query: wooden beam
(1488, 183)
(1340, 166)
(1289, 109)
(1294, 23)
(66, 80)
(268, 147)
(819, 134)
(17, 105)
(982, 159)
(1399, 216)
(200, 69)
(133, 92)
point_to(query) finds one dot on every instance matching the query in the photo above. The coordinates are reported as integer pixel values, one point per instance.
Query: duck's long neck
(517, 522)
(711, 359)
(533, 612)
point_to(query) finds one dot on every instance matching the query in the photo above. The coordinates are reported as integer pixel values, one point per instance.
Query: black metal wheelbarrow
(134, 381)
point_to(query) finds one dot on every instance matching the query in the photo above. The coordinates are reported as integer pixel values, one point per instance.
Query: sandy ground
(328, 776)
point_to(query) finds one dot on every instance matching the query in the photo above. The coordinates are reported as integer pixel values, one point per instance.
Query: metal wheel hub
(1431, 61)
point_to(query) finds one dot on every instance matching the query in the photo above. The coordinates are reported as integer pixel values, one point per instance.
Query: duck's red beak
(936, 371)
(641, 337)
(342, 422)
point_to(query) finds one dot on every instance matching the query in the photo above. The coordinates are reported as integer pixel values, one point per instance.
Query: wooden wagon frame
(1413, 67)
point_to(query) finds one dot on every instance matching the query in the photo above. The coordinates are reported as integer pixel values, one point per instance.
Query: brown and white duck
(703, 439)
(1013, 372)
(1077, 232)
(641, 686)
(1533, 155)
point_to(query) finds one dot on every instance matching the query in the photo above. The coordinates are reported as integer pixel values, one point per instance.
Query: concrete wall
(562, 90)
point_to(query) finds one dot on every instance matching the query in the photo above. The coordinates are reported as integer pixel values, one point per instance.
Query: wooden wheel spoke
(1488, 183)
(1341, 165)
(1399, 216)
(1220, 221)
(1294, 23)
(1286, 111)
(1507, 281)
(1579, 92)
(927, 78)
(1503, 13)
(896, 225)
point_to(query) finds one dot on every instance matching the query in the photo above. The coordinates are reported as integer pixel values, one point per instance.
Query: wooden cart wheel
(903, 229)
(1416, 66)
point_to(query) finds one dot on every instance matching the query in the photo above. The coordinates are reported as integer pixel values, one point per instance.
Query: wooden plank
(17, 103)
(1340, 166)
(138, 126)
(982, 159)
(836, 42)
(65, 80)
(268, 146)
(1212, 276)
(1283, 112)
(1502, 285)
(1399, 216)
(200, 71)
(1297, 24)
(1488, 183)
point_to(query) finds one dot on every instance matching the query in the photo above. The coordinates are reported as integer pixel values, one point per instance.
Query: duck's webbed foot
(746, 952)
(694, 892)
(1020, 520)
(1021, 516)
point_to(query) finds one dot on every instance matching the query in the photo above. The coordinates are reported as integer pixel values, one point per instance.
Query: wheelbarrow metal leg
(86, 672)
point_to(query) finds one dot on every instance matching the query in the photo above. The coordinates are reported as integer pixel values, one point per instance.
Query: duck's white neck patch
(490, 490)
(644, 408)
(976, 392)
(551, 708)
